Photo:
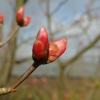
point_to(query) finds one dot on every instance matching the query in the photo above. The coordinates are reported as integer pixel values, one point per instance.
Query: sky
(65, 14)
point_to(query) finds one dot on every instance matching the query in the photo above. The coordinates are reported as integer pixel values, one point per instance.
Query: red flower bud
(56, 49)
(20, 17)
(43, 52)
(40, 46)
(1, 18)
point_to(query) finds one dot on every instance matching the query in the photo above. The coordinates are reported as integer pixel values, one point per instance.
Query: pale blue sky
(32, 8)
(65, 14)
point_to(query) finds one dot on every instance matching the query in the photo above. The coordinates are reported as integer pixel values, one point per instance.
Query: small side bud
(26, 20)
(56, 49)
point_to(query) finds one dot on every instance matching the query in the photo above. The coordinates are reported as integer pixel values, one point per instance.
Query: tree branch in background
(81, 52)
(8, 39)
(58, 7)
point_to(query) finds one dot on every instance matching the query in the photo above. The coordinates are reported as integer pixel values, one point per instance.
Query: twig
(13, 87)
(8, 39)
(58, 7)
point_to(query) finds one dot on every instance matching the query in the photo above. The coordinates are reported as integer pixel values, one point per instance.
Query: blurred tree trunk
(8, 60)
(92, 94)
(0, 33)
(61, 83)
(48, 15)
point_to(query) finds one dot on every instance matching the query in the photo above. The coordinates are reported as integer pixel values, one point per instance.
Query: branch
(13, 87)
(58, 7)
(8, 39)
(26, 41)
(81, 52)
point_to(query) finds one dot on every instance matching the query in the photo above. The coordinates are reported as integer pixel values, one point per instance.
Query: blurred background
(75, 75)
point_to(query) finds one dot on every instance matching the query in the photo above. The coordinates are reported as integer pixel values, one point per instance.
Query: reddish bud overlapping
(45, 52)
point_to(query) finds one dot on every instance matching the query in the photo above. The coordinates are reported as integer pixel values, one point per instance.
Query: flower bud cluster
(45, 52)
